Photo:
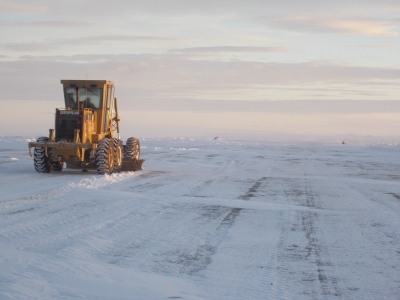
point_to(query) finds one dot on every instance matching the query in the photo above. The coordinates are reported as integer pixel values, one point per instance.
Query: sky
(202, 68)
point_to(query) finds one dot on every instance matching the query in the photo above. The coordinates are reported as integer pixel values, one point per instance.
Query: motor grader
(87, 133)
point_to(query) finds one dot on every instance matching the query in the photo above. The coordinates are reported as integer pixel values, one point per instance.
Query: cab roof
(86, 83)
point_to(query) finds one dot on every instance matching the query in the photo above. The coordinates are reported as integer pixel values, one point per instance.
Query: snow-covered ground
(205, 219)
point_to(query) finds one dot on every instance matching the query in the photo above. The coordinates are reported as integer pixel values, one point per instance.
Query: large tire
(41, 161)
(105, 157)
(117, 154)
(57, 165)
(132, 148)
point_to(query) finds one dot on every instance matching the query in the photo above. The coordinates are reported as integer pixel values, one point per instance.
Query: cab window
(91, 97)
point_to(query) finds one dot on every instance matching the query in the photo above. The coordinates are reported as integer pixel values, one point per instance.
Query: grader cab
(86, 134)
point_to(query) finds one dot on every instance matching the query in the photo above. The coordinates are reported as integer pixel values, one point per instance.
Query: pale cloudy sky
(165, 55)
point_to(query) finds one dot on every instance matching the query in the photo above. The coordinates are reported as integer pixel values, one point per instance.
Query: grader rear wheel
(41, 161)
(117, 154)
(105, 156)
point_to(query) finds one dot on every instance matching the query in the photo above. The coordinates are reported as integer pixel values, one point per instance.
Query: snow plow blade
(129, 164)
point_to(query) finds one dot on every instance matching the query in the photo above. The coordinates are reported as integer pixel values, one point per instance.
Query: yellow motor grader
(86, 134)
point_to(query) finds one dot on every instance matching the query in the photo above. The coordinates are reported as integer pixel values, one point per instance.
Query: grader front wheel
(132, 148)
(57, 166)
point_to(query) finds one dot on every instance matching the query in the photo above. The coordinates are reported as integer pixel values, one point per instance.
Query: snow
(205, 219)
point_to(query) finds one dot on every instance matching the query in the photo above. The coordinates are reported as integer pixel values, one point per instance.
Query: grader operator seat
(88, 103)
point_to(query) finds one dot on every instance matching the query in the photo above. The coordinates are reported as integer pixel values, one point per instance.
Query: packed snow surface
(205, 219)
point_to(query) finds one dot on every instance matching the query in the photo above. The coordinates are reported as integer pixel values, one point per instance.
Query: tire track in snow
(309, 254)
(317, 251)
(176, 258)
(198, 260)
(394, 195)
(250, 193)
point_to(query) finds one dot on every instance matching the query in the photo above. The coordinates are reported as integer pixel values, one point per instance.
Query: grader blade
(132, 164)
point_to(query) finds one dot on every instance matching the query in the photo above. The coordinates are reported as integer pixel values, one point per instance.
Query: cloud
(284, 106)
(29, 47)
(381, 46)
(113, 38)
(174, 8)
(334, 25)
(228, 49)
(50, 23)
(52, 44)
(242, 72)
(175, 77)
(239, 7)
(23, 7)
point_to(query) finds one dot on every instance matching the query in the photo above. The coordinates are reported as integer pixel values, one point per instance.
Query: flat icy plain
(205, 219)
